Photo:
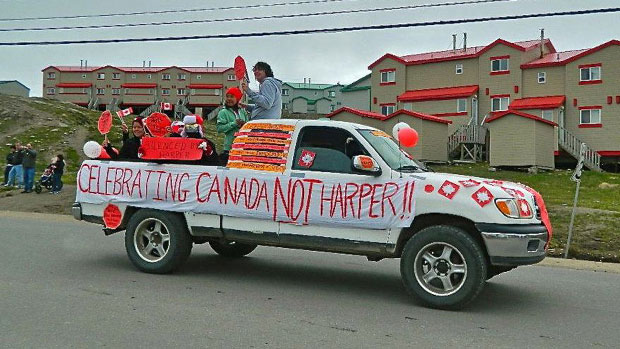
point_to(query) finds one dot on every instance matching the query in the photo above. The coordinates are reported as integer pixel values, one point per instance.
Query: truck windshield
(396, 158)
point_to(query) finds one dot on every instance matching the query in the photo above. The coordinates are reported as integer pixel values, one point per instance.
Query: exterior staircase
(93, 103)
(114, 105)
(571, 144)
(180, 109)
(470, 140)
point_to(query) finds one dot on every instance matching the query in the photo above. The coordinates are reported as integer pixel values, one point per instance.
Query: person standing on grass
(28, 164)
(59, 169)
(229, 120)
(268, 99)
(10, 158)
(15, 175)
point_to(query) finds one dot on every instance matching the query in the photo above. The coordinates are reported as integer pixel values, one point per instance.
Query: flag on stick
(166, 106)
(124, 112)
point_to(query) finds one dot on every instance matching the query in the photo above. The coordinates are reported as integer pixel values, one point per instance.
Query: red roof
(203, 70)
(356, 112)
(562, 58)
(138, 85)
(419, 116)
(440, 93)
(74, 84)
(471, 52)
(518, 113)
(204, 86)
(546, 102)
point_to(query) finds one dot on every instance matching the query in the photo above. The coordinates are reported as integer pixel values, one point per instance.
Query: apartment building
(309, 98)
(356, 95)
(578, 90)
(199, 89)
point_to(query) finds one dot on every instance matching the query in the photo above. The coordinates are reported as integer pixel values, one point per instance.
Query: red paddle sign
(240, 69)
(105, 122)
(112, 216)
(158, 124)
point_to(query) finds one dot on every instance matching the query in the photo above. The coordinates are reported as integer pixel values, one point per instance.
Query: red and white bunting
(448, 189)
(469, 183)
(124, 112)
(482, 196)
(166, 106)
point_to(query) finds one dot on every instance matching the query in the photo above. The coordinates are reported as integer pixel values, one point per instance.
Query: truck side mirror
(366, 164)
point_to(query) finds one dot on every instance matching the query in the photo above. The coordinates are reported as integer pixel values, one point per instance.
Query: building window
(542, 77)
(499, 65)
(387, 109)
(589, 116)
(461, 105)
(116, 91)
(165, 76)
(165, 92)
(149, 76)
(332, 108)
(180, 91)
(133, 76)
(388, 76)
(459, 69)
(51, 91)
(198, 77)
(180, 76)
(116, 76)
(231, 77)
(51, 75)
(284, 92)
(500, 103)
(547, 114)
(100, 76)
(101, 91)
(408, 106)
(126, 91)
(83, 76)
(590, 74)
(332, 93)
(217, 92)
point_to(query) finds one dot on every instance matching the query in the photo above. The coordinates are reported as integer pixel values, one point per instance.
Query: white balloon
(397, 128)
(92, 149)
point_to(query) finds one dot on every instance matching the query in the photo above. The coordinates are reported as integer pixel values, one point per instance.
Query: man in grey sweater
(28, 163)
(268, 99)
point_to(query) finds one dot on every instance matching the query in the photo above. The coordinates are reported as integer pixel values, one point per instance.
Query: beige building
(578, 90)
(432, 131)
(198, 89)
(356, 95)
(14, 88)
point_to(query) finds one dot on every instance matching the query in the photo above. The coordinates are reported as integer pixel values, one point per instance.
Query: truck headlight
(514, 208)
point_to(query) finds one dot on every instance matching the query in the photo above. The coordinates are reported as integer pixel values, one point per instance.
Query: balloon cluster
(406, 136)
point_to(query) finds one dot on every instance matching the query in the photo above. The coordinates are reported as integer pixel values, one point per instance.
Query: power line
(312, 14)
(314, 31)
(240, 7)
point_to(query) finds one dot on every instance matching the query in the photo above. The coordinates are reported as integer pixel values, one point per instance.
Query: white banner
(373, 203)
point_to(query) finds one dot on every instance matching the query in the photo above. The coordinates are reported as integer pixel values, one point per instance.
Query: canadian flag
(166, 106)
(124, 112)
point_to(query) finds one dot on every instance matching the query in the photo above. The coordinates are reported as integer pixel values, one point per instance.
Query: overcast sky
(326, 58)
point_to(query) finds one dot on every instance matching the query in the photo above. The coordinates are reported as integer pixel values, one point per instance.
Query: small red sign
(240, 69)
(171, 148)
(366, 162)
(307, 158)
(158, 124)
(112, 216)
(105, 122)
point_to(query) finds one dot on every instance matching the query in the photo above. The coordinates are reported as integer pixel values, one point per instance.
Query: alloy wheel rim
(152, 240)
(440, 269)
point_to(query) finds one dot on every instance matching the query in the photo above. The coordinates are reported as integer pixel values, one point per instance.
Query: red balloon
(408, 137)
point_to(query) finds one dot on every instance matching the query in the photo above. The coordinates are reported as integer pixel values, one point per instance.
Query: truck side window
(334, 149)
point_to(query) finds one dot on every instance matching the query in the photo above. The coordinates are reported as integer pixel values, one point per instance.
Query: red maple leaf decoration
(448, 189)
(524, 208)
(306, 159)
(482, 196)
(469, 183)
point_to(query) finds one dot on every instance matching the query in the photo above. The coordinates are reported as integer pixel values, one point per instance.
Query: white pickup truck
(321, 185)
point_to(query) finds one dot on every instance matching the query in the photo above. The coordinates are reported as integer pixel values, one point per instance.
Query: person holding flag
(229, 120)
(130, 147)
(268, 99)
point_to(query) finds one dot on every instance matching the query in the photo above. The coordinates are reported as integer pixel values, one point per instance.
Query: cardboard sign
(170, 148)
(158, 124)
(240, 69)
(112, 216)
(105, 122)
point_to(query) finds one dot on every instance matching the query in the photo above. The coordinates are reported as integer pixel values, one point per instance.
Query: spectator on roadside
(59, 169)
(15, 175)
(268, 99)
(28, 164)
(10, 157)
(229, 120)
(129, 150)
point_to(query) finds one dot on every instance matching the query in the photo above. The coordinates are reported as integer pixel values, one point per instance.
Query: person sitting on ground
(59, 168)
(129, 150)
(229, 121)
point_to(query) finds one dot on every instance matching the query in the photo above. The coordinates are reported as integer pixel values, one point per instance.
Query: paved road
(63, 284)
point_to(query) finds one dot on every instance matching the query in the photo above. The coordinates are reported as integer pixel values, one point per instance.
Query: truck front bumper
(514, 244)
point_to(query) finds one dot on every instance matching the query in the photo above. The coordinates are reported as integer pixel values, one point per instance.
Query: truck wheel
(443, 267)
(231, 249)
(157, 242)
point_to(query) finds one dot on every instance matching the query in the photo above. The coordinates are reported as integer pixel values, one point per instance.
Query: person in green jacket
(229, 120)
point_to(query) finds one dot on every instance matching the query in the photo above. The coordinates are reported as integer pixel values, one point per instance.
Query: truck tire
(231, 249)
(157, 242)
(443, 267)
